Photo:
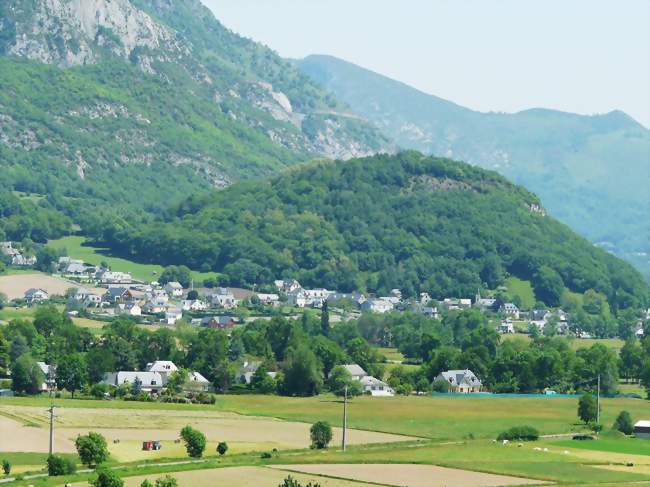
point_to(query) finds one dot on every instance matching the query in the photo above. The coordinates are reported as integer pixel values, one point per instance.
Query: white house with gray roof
(463, 381)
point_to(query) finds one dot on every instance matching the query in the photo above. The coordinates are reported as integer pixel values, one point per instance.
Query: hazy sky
(585, 56)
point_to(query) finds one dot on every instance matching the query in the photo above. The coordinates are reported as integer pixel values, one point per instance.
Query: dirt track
(410, 475)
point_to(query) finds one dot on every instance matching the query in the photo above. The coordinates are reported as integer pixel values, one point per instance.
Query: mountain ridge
(590, 171)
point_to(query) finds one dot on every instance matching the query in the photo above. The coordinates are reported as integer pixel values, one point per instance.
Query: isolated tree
(302, 374)
(321, 434)
(624, 423)
(193, 295)
(26, 375)
(72, 373)
(222, 448)
(587, 408)
(194, 441)
(92, 448)
(325, 320)
(6, 466)
(4, 355)
(107, 478)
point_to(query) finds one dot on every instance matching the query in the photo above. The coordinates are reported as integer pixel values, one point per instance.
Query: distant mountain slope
(140, 102)
(592, 172)
(407, 221)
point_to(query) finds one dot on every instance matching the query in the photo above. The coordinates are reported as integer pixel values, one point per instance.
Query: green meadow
(78, 248)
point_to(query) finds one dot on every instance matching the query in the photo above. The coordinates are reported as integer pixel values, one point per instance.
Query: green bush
(194, 441)
(58, 465)
(107, 478)
(321, 434)
(440, 386)
(521, 433)
(6, 466)
(222, 448)
(624, 423)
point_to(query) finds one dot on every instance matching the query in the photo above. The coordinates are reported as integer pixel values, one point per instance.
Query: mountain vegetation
(590, 171)
(139, 103)
(407, 221)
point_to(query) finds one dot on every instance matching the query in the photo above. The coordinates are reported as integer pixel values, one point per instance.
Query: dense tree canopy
(406, 221)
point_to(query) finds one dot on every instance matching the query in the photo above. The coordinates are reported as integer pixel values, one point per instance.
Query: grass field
(633, 446)
(77, 248)
(523, 289)
(449, 423)
(613, 343)
(391, 354)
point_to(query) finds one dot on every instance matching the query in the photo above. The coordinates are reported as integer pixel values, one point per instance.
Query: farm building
(642, 429)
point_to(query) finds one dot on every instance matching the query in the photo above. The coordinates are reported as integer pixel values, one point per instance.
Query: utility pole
(345, 414)
(51, 410)
(598, 402)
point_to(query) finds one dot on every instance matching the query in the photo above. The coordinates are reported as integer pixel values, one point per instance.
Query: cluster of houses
(16, 256)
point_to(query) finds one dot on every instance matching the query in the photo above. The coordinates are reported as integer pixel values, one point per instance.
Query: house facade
(462, 381)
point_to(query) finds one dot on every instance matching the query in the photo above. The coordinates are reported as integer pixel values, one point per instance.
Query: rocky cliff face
(182, 39)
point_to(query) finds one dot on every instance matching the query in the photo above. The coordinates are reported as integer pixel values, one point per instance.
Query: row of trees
(305, 353)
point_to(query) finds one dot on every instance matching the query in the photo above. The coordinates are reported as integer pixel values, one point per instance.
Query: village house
(642, 429)
(149, 381)
(483, 304)
(461, 381)
(156, 305)
(425, 298)
(375, 387)
(376, 306)
(193, 305)
(356, 298)
(452, 304)
(172, 315)
(117, 295)
(196, 382)
(509, 309)
(164, 367)
(288, 285)
(34, 295)
(223, 298)
(246, 372)
(298, 298)
(369, 384)
(130, 309)
(218, 322)
(394, 300)
(174, 289)
(49, 372)
(268, 299)
(107, 277)
(431, 312)
(17, 257)
(506, 327)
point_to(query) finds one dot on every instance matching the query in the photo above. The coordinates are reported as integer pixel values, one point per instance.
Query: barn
(642, 429)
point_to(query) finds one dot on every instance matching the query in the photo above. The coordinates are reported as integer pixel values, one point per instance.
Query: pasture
(78, 248)
(126, 429)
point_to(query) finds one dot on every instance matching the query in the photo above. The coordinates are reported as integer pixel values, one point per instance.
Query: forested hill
(407, 221)
(129, 105)
(591, 171)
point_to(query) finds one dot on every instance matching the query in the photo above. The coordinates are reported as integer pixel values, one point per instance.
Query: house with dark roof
(463, 381)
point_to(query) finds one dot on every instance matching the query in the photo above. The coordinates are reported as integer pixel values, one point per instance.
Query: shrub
(99, 390)
(521, 433)
(6, 466)
(222, 448)
(58, 465)
(266, 454)
(166, 481)
(146, 483)
(624, 423)
(440, 386)
(291, 482)
(92, 448)
(321, 434)
(194, 441)
(107, 478)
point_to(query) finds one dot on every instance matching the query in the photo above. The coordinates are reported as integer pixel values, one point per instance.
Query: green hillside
(408, 221)
(591, 172)
(144, 103)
